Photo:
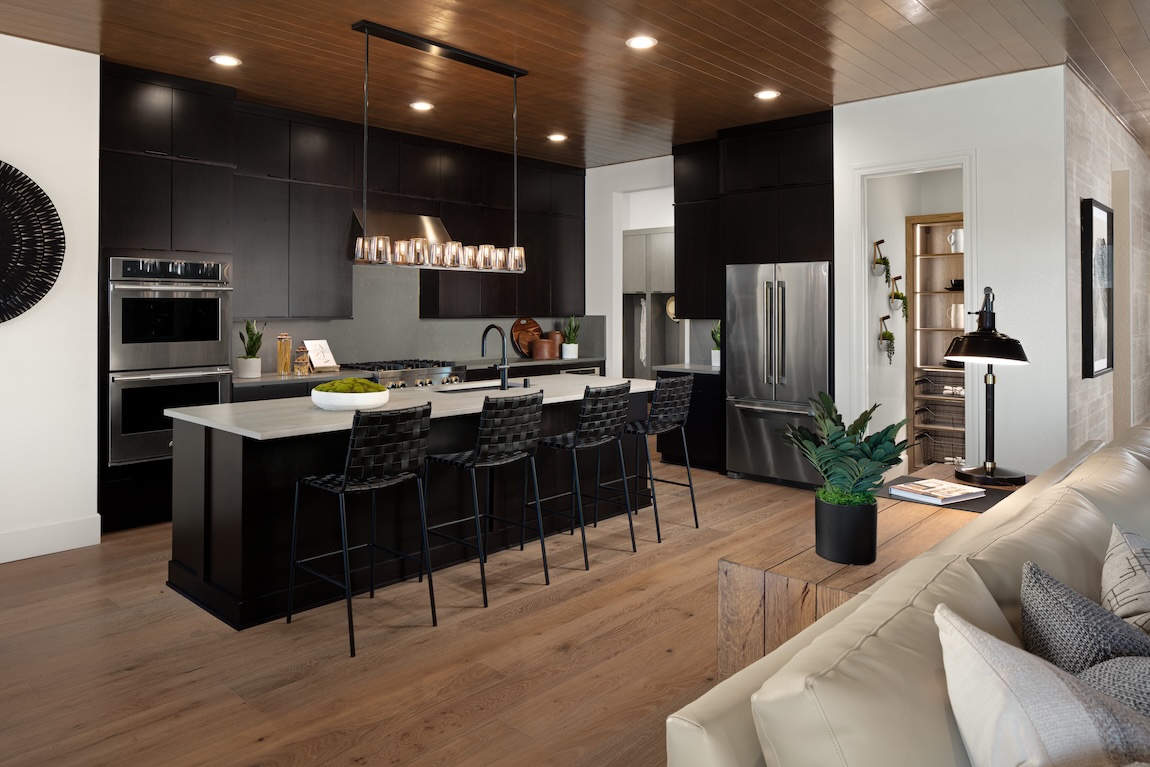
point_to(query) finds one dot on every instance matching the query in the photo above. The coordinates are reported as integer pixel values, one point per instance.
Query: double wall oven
(169, 327)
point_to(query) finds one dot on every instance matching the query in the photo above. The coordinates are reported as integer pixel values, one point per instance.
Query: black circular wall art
(31, 243)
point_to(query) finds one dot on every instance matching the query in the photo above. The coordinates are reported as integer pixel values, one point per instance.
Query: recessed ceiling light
(642, 42)
(557, 137)
(767, 95)
(225, 60)
(422, 106)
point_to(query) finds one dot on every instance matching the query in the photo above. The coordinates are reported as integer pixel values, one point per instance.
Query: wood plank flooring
(102, 664)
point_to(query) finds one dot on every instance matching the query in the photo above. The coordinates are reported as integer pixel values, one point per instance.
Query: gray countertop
(486, 362)
(298, 416)
(315, 378)
(690, 367)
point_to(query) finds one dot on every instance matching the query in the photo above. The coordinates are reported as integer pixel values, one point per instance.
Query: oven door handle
(116, 378)
(168, 288)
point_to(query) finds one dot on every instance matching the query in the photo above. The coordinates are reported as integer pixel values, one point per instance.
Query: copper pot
(545, 348)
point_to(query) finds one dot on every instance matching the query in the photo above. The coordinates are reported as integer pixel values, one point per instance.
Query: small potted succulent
(852, 466)
(880, 264)
(717, 338)
(248, 365)
(897, 299)
(569, 349)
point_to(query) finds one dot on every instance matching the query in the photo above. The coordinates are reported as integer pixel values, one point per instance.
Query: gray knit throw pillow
(1127, 680)
(1069, 630)
(1126, 578)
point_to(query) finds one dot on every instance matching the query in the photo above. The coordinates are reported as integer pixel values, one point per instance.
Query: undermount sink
(475, 386)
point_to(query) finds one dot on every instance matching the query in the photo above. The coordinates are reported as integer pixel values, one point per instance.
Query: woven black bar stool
(508, 433)
(669, 410)
(602, 416)
(387, 447)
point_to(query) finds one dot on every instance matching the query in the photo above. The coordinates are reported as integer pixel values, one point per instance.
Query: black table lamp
(987, 346)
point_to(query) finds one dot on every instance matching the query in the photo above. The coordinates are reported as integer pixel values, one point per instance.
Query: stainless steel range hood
(402, 226)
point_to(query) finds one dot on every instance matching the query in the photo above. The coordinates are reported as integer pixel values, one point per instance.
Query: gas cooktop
(399, 374)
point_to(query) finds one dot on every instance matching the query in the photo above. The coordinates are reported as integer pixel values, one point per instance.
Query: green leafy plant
(898, 295)
(882, 266)
(571, 331)
(850, 463)
(717, 335)
(886, 338)
(253, 341)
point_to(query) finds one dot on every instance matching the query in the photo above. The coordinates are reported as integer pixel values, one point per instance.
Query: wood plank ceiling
(616, 104)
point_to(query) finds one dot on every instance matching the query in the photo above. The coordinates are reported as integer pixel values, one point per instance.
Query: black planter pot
(846, 534)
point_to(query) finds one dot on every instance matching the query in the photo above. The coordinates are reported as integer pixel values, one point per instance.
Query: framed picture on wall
(1097, 289)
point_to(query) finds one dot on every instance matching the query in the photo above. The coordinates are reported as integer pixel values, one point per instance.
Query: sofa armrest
(717, 729)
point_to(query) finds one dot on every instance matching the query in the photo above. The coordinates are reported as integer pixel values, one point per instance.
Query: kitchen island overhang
(234, 468)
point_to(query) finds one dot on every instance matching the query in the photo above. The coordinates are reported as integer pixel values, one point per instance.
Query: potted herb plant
(716, 350)
(569, 349)
(886, 344)
(248, 366)
(851, 465)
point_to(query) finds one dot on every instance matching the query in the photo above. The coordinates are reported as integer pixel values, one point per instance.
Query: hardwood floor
(102, 664)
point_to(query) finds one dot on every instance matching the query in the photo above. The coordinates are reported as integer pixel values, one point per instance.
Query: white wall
(608, 214)
(1007, 134)
(50, 132)
(650, 208)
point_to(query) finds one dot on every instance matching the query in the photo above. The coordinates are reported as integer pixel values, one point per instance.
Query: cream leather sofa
(865, 686)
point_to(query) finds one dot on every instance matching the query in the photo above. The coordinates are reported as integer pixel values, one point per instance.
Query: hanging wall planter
(897, 299)
(31, 243)
(880, 264)
(886, 340)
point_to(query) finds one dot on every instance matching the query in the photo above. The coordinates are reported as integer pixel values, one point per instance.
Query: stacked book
(935, 491)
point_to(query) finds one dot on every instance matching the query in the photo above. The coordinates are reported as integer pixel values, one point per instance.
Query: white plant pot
(246, 367)
(569, 351)
(716, 354)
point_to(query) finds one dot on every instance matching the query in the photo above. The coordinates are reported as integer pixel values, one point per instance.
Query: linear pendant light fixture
(423, 252)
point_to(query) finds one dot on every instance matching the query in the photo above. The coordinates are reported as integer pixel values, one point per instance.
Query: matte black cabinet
(534, 286)
(750, 162)
(419, 170)
(696, 172)
(260, 257)
(135, 116)
(321, 238)
(202, 127)
(699, 262)
(705, 429)
(201, 207)
(807, 223)
(568, 268)
(262, 145)
(135, 201)
(749, 227)
(319, 154)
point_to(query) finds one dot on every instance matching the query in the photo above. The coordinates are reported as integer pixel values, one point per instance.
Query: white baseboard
(49, 539)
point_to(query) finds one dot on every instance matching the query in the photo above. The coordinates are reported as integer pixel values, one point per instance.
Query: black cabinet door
(135, 201)
(135, 116)
(749, 227)
(382, 164)
(321, 240)
(500, 292)
(698, 257)
(262, 145)
(534, 286)
(498, 182)
(323, 155)
(419, 170)
(806, 223)
(806, 155)
(461, 176)
(567, 194)
(750, 162)
(202, 126)
(568, 267)
(201, 207)
(697, 176)
(534, 189)
(260, 260)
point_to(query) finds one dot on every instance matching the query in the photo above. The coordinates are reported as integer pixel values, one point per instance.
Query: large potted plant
(248, 366)
(852, 465)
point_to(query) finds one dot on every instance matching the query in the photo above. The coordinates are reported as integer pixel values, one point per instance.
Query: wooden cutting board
(523, 332)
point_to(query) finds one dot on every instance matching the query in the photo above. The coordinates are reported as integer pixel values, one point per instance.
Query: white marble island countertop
(299, 416)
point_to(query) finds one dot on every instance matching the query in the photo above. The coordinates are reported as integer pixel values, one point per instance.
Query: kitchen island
(234, 467)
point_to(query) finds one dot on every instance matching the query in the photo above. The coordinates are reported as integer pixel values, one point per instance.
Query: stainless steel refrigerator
(777, 354)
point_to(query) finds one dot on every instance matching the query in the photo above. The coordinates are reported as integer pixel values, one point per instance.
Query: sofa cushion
(1069, 630)
(1136, 442)
(1060, 530)
(1127, 680)
(1117, 483)
(1015, 708)
(878, 672)
(1126, 578)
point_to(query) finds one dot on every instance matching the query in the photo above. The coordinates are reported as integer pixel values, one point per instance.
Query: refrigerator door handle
(761, 408)
(768, 327)
(781, 340)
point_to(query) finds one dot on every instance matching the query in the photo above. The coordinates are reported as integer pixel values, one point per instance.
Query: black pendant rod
(437, 48)
(515, 161)
(366, 66)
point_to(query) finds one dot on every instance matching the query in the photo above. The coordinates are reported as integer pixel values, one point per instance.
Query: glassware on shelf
(283, 354)
(302, 362)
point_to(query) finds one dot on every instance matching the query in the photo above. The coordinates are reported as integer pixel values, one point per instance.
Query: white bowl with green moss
(350, 394)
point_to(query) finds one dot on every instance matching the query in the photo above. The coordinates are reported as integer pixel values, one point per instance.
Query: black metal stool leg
(291, 572)
(651, 484)
(371, 550)
(538, 517)
(598, 474)
(690, 482)
(626, 495)
(579, 504)
(523, 521)
(479, 536)
(425, 560)
(346, 571)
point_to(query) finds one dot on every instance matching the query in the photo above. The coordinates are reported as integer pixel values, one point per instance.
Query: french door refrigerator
(776, 334)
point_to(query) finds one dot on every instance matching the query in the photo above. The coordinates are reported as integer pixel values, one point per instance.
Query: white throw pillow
(1014, 708)
(1126, 578)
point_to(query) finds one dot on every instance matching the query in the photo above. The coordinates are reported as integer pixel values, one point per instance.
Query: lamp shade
(988, 347)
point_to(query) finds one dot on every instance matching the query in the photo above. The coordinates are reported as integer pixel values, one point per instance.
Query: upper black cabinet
(135, 116)
(697, 172)
(262, 145)
(382, 164)
(806, 155)
(135, 201)
(419, 170)
(202, 127)
(568, 265)
(750, 162)
(260, 262)
(201, 207)
(461, 176)
(699, 262)
(749, 227)
(534, 189)
(567, 192)
(321, 237)
(322, 155)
